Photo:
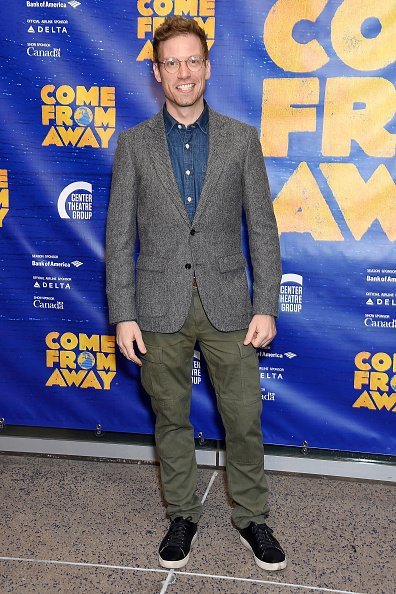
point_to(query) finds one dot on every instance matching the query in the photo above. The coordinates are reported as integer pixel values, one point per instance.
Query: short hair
(178, 25)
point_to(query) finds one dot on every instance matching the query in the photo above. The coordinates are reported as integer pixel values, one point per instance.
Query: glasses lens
(194, 63)
(172, 65)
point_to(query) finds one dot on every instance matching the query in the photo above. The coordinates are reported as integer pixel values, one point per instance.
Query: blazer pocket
(154, 263)
(151, 286)
(233, 262)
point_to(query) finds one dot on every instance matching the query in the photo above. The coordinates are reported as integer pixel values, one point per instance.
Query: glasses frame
(179, 62)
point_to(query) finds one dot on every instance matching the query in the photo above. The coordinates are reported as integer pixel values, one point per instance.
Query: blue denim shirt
(188, 149)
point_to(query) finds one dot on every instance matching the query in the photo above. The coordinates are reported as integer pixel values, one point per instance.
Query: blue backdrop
(316, 79)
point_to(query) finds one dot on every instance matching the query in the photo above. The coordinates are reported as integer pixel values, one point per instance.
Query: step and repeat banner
(316, 77)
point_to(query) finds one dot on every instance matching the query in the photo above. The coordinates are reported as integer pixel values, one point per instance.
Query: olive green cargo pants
(233, 370)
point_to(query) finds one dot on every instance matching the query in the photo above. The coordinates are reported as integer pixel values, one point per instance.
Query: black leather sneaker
(267, 551)
(174, 550)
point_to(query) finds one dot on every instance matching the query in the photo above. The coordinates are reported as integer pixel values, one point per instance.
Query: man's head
(183, 78)
(174, 26)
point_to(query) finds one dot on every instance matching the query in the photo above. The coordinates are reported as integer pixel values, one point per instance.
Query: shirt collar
(202, 122)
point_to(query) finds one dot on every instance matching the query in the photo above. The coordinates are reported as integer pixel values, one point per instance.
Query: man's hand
(261, 331)
(126, 334)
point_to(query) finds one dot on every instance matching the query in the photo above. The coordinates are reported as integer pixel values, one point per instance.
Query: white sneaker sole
(177, 564)
(262, 564)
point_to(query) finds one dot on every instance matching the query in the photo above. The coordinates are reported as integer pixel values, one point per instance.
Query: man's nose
(183, 71)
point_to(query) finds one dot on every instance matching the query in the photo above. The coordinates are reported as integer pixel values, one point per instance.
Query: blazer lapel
(159, 157)
(218, 146)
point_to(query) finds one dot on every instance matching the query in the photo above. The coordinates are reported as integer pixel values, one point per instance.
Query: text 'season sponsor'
(153, 12)
(375, 380)
(381, 275)
(4, 195)
(80, 360)
(291, 293)
(78, 116)
(53, 261)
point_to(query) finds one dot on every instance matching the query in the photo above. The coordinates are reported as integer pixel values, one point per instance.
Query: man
(182, 178)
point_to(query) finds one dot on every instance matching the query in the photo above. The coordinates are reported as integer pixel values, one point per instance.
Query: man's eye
(171, 62)
(194, 60)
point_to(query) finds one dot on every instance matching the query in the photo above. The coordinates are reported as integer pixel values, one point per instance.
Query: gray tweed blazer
(145, 197)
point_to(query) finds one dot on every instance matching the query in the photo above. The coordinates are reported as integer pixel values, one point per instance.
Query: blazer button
(188, 266)
(192, 232)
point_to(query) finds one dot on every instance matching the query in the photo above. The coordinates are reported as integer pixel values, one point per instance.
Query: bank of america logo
(290, 355)
(77, 263)
(74, 3)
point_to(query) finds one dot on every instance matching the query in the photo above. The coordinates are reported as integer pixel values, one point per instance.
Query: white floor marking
(169, 580)
(209, 486)
(82, 564)
(155, 570)
(171, 576)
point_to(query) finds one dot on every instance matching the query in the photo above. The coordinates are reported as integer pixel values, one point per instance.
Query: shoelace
(264, 536)
(177, 533)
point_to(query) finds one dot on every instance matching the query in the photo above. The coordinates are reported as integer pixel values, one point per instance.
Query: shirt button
(179, 126)
(192, 232)
(188, 266)
(188, 172)
(187, 146)
(189, 199)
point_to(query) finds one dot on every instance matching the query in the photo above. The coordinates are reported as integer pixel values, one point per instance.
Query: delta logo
(80, 360)
(375, 379)
(77, 116)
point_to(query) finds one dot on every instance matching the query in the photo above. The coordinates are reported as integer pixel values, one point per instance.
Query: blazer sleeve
(120, 236)
(262, 230)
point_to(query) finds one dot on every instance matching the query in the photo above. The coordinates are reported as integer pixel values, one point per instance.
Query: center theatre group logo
(75, 201)
(291, 293)
(375, 378)
(153, 12)
(78, 116)
(80, 360)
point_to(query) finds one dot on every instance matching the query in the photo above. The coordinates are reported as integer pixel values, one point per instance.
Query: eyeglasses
(172, 65)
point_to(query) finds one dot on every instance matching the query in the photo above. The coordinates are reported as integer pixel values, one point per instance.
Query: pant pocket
(153, 372)
(250, 377)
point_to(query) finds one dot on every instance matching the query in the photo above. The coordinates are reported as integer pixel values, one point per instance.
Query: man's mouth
(185, 87)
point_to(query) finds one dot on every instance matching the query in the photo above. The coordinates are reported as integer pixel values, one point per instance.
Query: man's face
(183, 88)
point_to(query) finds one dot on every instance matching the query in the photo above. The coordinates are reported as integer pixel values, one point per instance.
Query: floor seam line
(193, 574)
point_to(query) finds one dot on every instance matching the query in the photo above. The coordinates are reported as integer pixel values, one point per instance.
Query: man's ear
(207, 70)
(156, 72)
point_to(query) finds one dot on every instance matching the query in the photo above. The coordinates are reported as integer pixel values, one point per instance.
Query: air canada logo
(80, 360)
(291, 293)
(375, 380)
(77, 116)
(4, 195)
(75, 201)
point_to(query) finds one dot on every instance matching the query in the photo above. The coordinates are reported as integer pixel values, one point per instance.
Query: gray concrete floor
(77, 526)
